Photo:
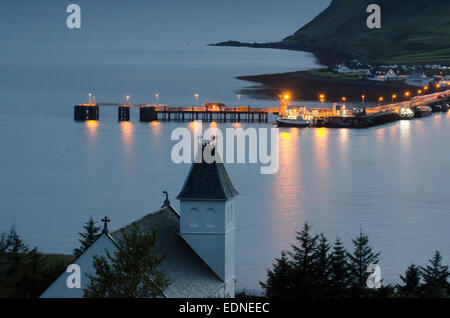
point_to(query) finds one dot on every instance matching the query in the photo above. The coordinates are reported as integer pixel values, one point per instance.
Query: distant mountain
(412, 32)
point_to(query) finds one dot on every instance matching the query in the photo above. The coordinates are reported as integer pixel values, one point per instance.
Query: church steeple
(207, 216)
(207, 181)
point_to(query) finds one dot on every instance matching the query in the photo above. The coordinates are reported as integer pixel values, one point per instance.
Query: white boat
(294, 117)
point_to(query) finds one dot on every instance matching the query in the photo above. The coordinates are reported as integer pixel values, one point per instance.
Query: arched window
(194, 217)
(210, 218)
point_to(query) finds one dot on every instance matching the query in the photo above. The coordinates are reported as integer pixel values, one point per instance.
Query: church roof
(207, 181)
(190, 276)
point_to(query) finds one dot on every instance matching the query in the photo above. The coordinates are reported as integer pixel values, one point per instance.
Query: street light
(322, 98)
(407, 95)
(344, 99)
(394, 96)
(196, 100)
(380, 100)
(127, 98)
(239, 99)
(419, 92)
(90, 98)
(157, 96)
(363, 97)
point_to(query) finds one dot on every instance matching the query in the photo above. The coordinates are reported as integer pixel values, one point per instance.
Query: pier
(337, 117)
(149, 113)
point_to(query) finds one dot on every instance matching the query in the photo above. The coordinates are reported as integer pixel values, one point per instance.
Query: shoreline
(307, 87)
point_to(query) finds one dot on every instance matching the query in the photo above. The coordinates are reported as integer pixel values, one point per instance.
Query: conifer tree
(411, 282)
(132, 272)
(339, 270)
(322, 263)
(279, 279)
(435, 277)
(360, 259)
(303, 257)
(88, 237)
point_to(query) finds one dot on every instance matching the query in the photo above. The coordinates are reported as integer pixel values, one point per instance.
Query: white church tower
(207, 220)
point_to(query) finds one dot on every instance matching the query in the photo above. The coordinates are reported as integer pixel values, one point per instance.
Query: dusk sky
(151, 24)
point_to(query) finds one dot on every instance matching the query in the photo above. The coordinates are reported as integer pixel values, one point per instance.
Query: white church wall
(59, 288)
(208, 227)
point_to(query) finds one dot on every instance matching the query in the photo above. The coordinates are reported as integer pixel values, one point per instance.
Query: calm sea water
(391, 181)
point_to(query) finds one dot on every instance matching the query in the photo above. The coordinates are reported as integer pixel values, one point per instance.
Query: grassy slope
(412, 31)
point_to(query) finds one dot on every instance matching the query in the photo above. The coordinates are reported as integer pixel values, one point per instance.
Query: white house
(391, 75)
(200, 239)
(417, 79)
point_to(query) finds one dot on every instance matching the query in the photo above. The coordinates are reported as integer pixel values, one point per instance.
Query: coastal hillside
(412, 31)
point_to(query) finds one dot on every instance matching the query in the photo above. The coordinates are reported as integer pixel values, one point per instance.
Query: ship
(293, 116)
(422, 111)
(406, 113)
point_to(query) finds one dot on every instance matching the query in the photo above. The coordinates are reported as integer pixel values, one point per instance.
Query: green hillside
(412, 31)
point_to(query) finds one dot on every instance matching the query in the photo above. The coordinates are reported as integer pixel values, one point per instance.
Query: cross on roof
(105, 221)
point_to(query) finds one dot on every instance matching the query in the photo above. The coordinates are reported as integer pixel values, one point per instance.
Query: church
(199, 239)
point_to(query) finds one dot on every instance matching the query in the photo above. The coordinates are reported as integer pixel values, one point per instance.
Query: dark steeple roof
(207, 181)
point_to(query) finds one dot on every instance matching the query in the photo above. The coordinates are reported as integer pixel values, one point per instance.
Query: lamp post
(394, 96)
(157, 96)
(380, 100)
(127, 98)
(407, 94)
(363, 97)
(322, 98)
(239, 99)
(196, 100)
(90, 98)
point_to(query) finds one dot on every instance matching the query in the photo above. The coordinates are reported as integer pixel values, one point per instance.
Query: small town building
(417, 79)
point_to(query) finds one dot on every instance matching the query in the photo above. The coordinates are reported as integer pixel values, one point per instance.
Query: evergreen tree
(88, 237)
(321, 264)
(339, 270)
(279, 279)
(303, 257)
(411, 282)
(435, 278)
(132, 272)
(361, 258)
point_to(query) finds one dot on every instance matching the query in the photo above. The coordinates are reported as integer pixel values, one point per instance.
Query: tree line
(316, 268)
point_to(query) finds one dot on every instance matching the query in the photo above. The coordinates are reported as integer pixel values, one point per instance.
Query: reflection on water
(391, 181)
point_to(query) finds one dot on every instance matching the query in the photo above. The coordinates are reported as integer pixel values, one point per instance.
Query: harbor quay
(339, 116)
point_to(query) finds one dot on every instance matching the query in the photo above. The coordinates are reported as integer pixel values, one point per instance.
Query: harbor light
(196, 100)
(322, 98)
(407, 94)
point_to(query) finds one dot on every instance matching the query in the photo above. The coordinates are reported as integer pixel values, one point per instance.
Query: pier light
(407, 94)
(322, 98)
(127, 98)
(196, 100)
